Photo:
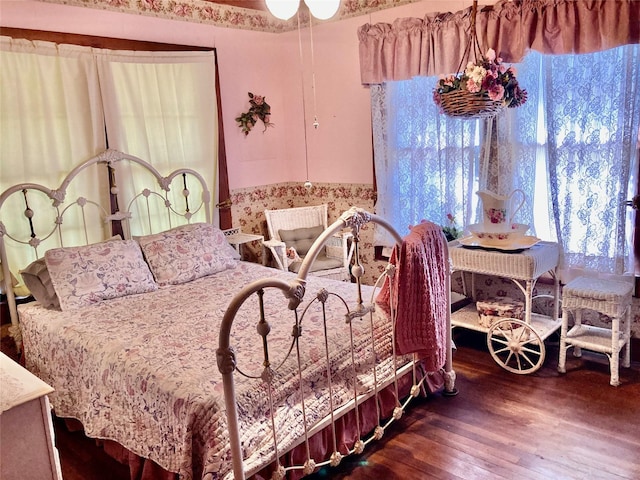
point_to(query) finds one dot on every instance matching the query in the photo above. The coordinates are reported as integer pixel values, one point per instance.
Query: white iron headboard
(35, 218)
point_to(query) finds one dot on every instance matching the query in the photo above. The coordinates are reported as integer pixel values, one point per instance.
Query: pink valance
(434, 45)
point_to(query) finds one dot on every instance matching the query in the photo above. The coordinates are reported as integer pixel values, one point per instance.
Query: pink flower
(207, 13)
(436, 98)
(496, 215)
(491, 55)
(472, 86)
(496, 92)
(182, 10)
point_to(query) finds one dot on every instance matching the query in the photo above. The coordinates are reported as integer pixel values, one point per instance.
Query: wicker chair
(291, 233)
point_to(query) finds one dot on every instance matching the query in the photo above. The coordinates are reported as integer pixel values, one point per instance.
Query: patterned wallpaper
(249, 205)
(206, 12)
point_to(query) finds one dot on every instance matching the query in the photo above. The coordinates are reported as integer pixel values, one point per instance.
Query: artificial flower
(489, 76)
(259, 110)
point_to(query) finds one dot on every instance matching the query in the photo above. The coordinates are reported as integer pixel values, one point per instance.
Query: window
(62, 104)
(572, 148)
(161, 106)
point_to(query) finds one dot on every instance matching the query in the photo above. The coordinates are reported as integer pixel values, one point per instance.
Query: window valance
(434, 45)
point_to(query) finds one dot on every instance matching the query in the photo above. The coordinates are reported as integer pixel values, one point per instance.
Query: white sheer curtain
(599, 140)
(50, 119)
(426, 165)
(572, 148)
(579, 129)
(161, 106)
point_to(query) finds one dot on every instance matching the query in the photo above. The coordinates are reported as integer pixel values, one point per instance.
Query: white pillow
(37, 279)
(187, 252)
(85, 275)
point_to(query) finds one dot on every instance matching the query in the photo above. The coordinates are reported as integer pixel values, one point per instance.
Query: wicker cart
(515, 344)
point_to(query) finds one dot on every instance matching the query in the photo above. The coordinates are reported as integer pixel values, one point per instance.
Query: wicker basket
(464, 104)
(495, 309)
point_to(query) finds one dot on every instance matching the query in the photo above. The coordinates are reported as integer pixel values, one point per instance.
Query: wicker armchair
(291, 233)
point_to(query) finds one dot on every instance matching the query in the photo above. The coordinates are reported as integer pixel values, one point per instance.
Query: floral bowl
(506, 237)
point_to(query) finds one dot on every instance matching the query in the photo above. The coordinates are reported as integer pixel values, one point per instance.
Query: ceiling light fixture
(285, 9)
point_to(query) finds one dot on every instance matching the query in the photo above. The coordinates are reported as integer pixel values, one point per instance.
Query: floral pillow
(38, 281)
(187, 252)
(85, 275)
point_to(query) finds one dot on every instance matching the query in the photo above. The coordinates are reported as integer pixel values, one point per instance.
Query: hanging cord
(313, 77)
(473, 43)
(307, 183)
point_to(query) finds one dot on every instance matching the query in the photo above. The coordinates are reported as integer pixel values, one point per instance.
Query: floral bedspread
(141, 369)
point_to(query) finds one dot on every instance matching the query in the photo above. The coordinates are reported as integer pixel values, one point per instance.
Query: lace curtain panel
(426, 165)
(572, 148)
(434, 45)
(593, 138)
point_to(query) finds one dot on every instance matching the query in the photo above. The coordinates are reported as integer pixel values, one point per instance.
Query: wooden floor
(500, 426)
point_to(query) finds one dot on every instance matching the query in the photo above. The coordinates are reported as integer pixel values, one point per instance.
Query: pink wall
(339, 151)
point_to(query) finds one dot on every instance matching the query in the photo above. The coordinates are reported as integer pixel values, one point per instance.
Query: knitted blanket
(421, 296)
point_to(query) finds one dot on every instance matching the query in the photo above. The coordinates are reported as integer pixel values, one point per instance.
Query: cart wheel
(515, 346)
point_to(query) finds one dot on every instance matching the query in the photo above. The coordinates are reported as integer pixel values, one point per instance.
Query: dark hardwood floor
(505, 426)
(500, 426)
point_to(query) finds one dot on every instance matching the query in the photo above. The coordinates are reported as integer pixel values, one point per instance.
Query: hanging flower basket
(484, 88)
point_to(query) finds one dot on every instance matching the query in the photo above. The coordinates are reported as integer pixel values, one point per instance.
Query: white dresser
(27, 448)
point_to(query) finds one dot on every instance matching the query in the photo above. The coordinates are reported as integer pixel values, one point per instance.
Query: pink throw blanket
(420, 295)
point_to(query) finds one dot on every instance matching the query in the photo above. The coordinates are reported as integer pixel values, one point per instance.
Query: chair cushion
(300, 238)
(322, 262)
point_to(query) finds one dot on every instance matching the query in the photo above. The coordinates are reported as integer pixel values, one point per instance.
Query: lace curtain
(572, 148)
(426, 164)
(593, 118)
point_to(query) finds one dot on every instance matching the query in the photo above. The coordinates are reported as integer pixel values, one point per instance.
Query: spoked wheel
(515, 346)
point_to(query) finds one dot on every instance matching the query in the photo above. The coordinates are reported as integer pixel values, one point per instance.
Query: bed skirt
(321, 444)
